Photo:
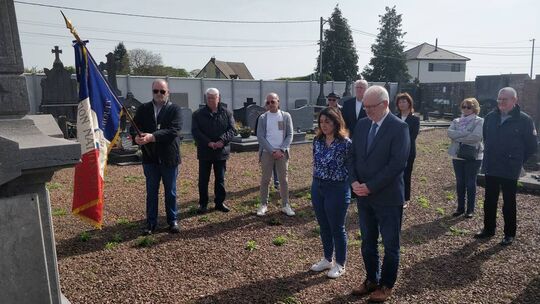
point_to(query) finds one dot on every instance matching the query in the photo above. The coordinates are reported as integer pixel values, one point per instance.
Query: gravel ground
(210, 261)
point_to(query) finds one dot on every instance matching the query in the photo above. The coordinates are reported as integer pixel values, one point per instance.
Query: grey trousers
(267, 165)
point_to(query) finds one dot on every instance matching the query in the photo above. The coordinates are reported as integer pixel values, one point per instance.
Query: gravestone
(59, 91)
(110, 67)
(302, 118)
(125, 152)
(298, 103)
(28, 158)
(252, 113)
(240, 115)
(180, 99)
(187, 116)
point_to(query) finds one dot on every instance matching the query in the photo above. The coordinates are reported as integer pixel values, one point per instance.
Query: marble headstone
(252, 113)
(302, 118)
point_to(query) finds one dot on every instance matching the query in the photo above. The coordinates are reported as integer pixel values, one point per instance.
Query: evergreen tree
(122, 59)
(388, 61)
(339, 57)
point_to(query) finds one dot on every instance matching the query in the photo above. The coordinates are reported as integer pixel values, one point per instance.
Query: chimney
(436, 42)
(213, 59)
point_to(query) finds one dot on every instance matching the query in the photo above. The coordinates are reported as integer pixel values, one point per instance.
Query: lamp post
(321, 100)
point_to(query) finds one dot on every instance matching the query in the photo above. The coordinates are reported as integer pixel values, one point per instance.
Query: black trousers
(205, 168)
(509, 188)
(407, 178)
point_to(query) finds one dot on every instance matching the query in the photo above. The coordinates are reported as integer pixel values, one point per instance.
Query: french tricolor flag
(98, 121)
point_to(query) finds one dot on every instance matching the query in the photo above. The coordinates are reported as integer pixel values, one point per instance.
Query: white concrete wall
(436, 76)
(233, 92)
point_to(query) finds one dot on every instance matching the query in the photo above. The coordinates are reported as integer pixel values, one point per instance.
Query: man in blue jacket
(380, 151)
(159, 122)
(509, 139)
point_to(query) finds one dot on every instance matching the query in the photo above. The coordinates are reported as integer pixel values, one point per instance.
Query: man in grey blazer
(379, 156)
(274, 133)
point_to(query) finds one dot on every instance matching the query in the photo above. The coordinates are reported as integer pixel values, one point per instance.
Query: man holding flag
(160, 121)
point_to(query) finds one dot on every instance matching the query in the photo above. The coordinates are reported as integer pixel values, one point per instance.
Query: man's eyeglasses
(372, 106)
(466, 107)
(159, 91)
(332, 99)
(270, 102)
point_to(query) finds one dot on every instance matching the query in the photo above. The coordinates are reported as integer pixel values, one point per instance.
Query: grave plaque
(180, 99)
(302, 118)
(252, 113)
(300, 103)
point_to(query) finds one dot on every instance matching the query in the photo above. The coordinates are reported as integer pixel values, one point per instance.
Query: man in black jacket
(159, 122)
(509, 139)
(212, 128)
(353, 110)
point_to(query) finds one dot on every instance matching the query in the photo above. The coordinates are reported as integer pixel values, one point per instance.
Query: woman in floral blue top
(330, 190)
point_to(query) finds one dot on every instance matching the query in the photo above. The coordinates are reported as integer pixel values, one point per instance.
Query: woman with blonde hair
(466, 150)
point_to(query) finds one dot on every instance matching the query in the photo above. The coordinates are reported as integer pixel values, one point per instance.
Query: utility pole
(532, 57)
(321, 100)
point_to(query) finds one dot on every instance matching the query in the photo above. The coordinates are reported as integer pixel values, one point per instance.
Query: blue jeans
(466, 171)
(205, 168)
(330, 203)
(154, 173)
(386, 219)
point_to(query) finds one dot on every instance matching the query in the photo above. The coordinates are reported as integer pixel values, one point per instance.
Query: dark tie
(371, 135)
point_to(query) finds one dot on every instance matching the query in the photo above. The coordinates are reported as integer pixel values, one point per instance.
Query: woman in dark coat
(405, 106)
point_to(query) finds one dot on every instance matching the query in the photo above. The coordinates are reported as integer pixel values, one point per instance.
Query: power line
(174, 44)
(165, 17)
(193, 37)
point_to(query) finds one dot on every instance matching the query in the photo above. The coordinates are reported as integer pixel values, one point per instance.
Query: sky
(496, 35)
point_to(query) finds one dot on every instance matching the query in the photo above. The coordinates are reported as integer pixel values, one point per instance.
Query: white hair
(362, 82)
(510, 91)
(377, 91)
(212, 91)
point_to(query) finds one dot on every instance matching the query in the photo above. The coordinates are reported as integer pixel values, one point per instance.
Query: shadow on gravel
(425, 232)
(449, 271)
(531, 294)
(266, 291)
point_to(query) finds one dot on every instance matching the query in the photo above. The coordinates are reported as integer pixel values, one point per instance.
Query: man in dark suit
(159, 122)
(381, 147)
(352, 109)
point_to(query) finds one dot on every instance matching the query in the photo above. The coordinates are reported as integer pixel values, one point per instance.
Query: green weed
(132, 178)
(440, 211)
(145, 241)
(251, 245)
(59, 212)
(423, 201)
(279, 240)
(111, 245)
(85, 236)
(53, 186)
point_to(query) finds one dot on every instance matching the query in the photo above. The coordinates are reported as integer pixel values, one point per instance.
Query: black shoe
(202, 210)
(174, 228)
(469, 215)
(457, 213)
(149, 230)
(222, 208)
(507, 240)
(484, 234)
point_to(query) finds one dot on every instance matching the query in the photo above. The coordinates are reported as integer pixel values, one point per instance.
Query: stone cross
(56, 51)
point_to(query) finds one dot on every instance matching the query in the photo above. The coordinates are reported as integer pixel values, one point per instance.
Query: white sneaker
(288, 211)
(262, 210)
(323, 264)
(336, 271)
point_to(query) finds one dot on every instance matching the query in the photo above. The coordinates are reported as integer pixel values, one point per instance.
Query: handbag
(467, 152)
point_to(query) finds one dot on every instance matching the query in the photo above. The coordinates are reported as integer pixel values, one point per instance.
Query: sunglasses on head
(466, 107)
(270, 102)
(159, 91)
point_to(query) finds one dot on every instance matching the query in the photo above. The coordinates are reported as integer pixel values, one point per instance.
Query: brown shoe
(380, 295)
(366, 288)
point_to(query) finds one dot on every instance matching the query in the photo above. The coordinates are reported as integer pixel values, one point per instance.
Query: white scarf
(464, 122)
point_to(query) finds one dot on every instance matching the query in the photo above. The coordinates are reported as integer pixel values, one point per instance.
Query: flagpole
(71, 28)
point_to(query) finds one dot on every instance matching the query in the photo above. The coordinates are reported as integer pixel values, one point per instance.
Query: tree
(121, 58)
(141, 60)
(339, 57)
(388, 61)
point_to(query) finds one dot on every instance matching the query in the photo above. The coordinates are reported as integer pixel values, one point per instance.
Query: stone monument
(28, 159)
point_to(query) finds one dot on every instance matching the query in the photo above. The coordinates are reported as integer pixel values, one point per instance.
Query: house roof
(231, 68)
(426, 51)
